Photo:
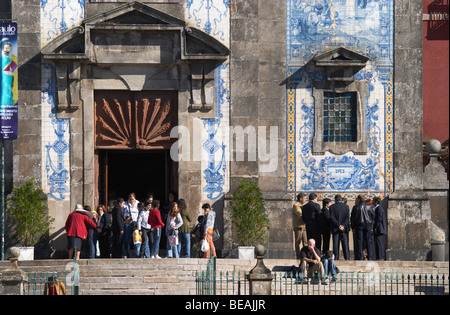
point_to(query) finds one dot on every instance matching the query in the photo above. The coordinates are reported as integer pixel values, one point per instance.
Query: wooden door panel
(135, 120)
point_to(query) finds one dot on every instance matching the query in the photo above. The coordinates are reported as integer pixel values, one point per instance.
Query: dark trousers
(312, 232)
(342, 237)
(326, 236)
(364, 234)
(379, 247)
(117, 245)
(104, 243)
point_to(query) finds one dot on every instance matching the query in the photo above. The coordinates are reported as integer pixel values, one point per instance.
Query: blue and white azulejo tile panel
(318, 26)
(213, 18)
(57, 16)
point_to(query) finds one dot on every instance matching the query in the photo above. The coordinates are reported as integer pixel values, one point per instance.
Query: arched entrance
(132, 142)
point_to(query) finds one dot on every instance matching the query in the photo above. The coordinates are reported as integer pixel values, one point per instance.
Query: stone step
(177, 276)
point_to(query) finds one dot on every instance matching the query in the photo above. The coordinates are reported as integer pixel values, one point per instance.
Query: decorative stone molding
(340, 67)
(135, 34)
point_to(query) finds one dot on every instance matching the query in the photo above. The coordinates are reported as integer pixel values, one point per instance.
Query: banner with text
(9, 82)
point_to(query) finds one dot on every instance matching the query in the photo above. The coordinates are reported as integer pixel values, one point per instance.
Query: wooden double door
(132, 144)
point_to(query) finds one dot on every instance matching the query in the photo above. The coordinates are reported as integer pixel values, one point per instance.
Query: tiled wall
(366, 27)
(57, 16)
(213, 17)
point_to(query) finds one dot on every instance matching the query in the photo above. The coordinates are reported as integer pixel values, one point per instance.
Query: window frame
(319, 147)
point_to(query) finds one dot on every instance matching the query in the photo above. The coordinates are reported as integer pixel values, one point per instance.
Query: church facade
(191, 96)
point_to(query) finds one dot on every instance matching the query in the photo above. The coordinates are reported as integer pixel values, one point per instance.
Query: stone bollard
(436, 186)
(260, 277)
(13, 278)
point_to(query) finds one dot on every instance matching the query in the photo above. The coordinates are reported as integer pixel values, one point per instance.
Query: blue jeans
(146, 240)
(185, 238)
(329, 263)
(172, 250)
(137, 250)
(92, 240)
(156, 232)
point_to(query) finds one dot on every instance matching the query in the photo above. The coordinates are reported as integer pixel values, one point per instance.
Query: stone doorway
(140, 171)
(132, 142)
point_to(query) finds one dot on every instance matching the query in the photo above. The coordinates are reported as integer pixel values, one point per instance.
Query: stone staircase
(177, 276)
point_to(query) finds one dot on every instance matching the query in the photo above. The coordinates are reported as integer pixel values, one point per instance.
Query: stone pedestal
(436, 186)
(260, 277)
(13, 278)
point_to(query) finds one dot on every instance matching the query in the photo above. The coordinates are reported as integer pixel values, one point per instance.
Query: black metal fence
(211, 282)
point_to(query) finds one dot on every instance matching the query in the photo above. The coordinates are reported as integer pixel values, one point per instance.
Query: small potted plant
(27, 207)
(249, 218)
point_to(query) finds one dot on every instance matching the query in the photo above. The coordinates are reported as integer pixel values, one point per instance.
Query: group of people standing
(135, 229)
(367, 220)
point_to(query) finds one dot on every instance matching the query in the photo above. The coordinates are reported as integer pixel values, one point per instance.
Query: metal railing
(206, 280)
(290, 283)
(54, 283)
(361, 284)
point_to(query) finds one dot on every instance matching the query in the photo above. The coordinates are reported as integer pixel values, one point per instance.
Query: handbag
(216, 235)
(205, 245)
(173, 240)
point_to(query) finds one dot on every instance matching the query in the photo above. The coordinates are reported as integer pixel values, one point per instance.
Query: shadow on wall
(438, 24)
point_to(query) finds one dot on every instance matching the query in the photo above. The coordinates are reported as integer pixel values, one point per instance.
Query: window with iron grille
(339, 117)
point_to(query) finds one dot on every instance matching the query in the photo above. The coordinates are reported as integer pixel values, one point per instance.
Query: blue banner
(9, 82)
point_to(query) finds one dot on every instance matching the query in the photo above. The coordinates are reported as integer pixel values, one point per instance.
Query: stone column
(27, 156)
(260, 277)
(13, 278)
(408, 212)
(258, 101)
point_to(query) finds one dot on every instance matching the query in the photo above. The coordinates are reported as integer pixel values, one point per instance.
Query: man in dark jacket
(361, 222)
(117, 228)
(379, 229)
(339, 215)
(311, 213)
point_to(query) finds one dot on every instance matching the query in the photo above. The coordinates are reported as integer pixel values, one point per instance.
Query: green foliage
(248, 214)
(27, 207)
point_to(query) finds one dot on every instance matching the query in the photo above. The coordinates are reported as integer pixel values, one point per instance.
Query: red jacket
(154, 219)
(77, 223)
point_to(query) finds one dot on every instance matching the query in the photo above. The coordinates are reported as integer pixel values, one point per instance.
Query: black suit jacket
(379, 227)
(117, 220)
(339, 215)
(311, 213)
(105, 223)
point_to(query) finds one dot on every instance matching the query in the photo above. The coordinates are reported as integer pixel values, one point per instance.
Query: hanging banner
(9, 82)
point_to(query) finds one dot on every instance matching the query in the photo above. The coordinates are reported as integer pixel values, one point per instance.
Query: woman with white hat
(77, 224)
